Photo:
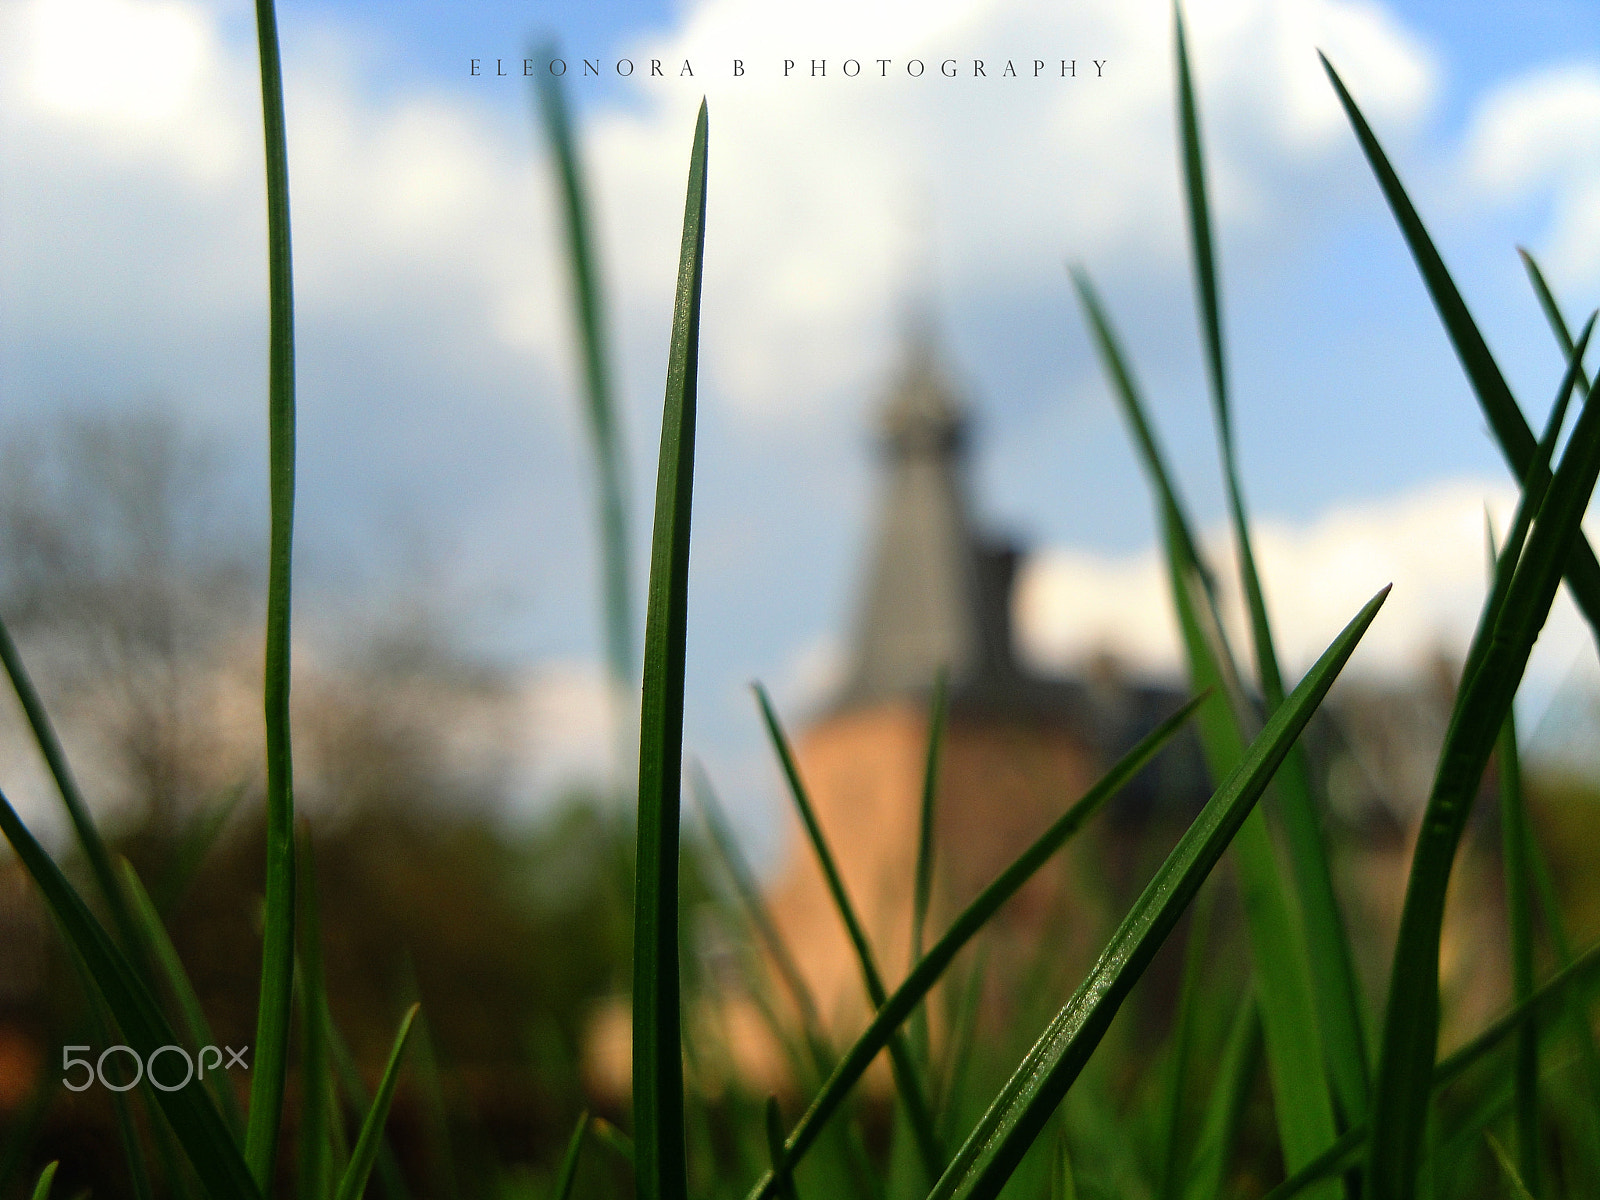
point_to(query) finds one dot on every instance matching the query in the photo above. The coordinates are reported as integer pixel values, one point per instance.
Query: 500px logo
(141, 1067)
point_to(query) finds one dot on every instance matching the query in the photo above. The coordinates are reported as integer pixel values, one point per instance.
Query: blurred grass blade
(200, 835)
(164, 955)
(569, 1161)
(1519, 1187)
(1219, 1127)
(1552, 311)
(961, 1045)
(1328, 952)
(1500, 651)
(83, 826)
(589, 311)
(1555, 992)
(894, 1011)
(1494, 396)
(316, 1075)
(194, 1119)
(783, 1184)
(1519, 919)
(354, 1181)
(760, 919)
(41, 1190)
(657, 1052)
(1181, 1049)
(1286, 991)
(269, 1070)
(613, 1139)
(907, 1077)
(922, 880)
(1575, 1010)
(922, 893)
(1020, 1112)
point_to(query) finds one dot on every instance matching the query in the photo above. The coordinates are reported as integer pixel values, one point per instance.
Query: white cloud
(1429, 543)
(1539, 136)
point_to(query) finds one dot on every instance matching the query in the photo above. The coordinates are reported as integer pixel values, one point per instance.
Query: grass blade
(1519, 918)
(569, 1161)
(907, 1078)
(589, 309)
(659, 1135)
(1219, 1128)
(194, 1119)
(1519, 1186)
(1574, 977)
(83, 826)
(355, 1095)
(41, 1190)
(922, 893)
(354, 1181)
(984, 1163)
(1180, 1049)
(922, 885)
(164, 955)
(1494, 395)
(269, 1071)
(1498, 657)
(783, 1178)
(760, 919)
(1552, 311)
(963, 929)
(1285, 984)
(1328, 953)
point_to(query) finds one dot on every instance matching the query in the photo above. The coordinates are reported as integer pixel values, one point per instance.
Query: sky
(440, 436)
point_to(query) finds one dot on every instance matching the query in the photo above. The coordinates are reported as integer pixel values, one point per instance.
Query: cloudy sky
(439, 431)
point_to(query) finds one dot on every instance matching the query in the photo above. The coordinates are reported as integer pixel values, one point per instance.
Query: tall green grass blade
(1219, 1127)
(1494, 395)
(568, 1176)
(83, 826)
(1180, 1050)
(269, 1071)
(121, 1105)
(931, 967)
(316, 1074)
(907, 1077)
(160, 950)
(1552, 311)
(1519, 918)
(1023, 1107)
(353, 1184)
(1556, 992)
(41, 1189)
(1329, 957)
(1286, 991)
(201, 1131)
(662, 1172)
(1496, 661)
(589, 313)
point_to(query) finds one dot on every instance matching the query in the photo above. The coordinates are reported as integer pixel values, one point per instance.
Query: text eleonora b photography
(819, 69)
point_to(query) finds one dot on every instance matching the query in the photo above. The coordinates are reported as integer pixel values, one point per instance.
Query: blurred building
(1018, 747)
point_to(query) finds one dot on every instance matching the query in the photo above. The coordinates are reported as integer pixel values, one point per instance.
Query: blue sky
(435, 368)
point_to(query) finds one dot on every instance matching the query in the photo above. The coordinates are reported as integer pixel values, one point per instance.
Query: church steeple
(936, 593)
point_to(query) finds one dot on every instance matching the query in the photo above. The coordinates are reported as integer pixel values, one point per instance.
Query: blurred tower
(1018, 748)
